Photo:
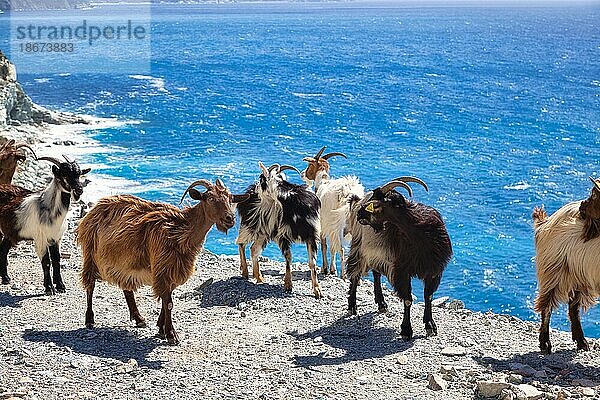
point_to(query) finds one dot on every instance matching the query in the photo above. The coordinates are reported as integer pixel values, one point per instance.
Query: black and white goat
(405, 239)
(283, 212)
(40, 216)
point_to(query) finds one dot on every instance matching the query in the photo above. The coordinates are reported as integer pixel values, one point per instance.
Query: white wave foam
(41, 80)
(156, 83)
(518, 186)
(307, 95)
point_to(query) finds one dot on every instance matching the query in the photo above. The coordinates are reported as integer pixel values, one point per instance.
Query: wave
(518, 186)
(156, 83)
(308, 95)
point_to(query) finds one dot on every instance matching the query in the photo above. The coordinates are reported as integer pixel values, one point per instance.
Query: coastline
(243, 340)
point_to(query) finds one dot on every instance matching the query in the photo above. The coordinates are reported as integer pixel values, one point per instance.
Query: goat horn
(329, 155)
(413, 179)
(53, 160)
(319, 153)
(395, 183)
(68, 159)
(274, 166)
(596, 183)
(25, 145)
(284, 167)
(219, 183)
(202, 182)
(309, 159)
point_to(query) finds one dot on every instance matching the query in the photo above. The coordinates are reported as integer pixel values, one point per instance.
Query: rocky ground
(243, 340)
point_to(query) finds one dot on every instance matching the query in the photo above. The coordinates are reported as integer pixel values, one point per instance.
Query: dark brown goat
(405, 239)
(10, 157)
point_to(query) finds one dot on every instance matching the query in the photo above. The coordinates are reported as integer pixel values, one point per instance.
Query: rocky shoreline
(241, 340)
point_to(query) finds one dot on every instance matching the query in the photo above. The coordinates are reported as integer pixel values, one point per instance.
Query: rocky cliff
(6, 5)
(16, 108)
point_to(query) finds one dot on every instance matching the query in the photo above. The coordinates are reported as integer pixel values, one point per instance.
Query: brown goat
(10, 157)
(130, 242)
(567, 248)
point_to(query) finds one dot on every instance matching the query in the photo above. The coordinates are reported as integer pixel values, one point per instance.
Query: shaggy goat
(130, 242)
(334, 195)
(40, 216)
(405, 239)
(10, 157)
(567, 248)
(283, 212)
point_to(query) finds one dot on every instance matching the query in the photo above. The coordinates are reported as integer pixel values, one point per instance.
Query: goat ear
(86, 171)
(196, 195)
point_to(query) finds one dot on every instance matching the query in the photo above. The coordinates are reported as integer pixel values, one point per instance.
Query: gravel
(243, 340)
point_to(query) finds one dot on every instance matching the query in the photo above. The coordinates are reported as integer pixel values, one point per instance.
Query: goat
(283, 212)
(567, 246)
(130, 242)
(10, 157)
(405, 239)
(40, 216)
(334, 195)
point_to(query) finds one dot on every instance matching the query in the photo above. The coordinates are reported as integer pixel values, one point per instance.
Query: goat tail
(539, 216)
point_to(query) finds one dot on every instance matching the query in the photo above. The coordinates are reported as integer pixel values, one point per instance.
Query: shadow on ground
(360, 339)
(236, 290)
(117, 344)
(14, 301)
(559, 367)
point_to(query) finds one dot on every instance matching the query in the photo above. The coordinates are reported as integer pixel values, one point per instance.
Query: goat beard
(591, 229)
(222, 229)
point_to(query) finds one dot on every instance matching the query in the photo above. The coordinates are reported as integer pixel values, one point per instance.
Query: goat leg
(287, 254)
(545, 345)
(342, 264)
(312, 264)
(134, 313)
(4, 248)
(431, 285)
(89, 314)
(576, 329)
(243, 261)
(47, 278)
(167, 305)
(161, 323)
(56, 277)
(325, 266)
(255, 251)
(402, 285)
(352, 308)
(383, 307)
(332, 264)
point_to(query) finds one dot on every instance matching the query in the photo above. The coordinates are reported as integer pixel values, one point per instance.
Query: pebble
(587, 391)
(491, 388)
(527, 392)
(402, 359)
(454, 351)
(436, 382)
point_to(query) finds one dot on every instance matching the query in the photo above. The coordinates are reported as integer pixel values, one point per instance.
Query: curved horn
(53, 160)
(393, 184)
(219, 183)
(274, 166)
(309, 159)
(329, 155)
(596, 184)
(8, 143)
(413, 179)
(285, 167)
(319, 153)
(25, 145)
(67, 159)
(202, 182)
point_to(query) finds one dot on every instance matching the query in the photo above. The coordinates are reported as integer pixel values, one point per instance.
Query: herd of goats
(389, 234)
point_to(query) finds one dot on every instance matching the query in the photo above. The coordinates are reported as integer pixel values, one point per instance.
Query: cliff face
(6, 5)
(16, 108)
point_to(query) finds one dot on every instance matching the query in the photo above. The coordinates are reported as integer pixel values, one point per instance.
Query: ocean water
(497, 109)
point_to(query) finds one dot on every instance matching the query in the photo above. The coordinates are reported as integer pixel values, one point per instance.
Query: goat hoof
(383, 308)
(352, 310)
(317, 293)
(260, 279)
(583, 345)
(89, 325)
(287, 288)
(50, 291)
(406, 333)
(141, 324)
(546, 348)
(172, 339)
(61, 288)
(324, 270)
(431, 328)
(5, 280)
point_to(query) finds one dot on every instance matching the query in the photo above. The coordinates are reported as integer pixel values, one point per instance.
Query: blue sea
(497, 109)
